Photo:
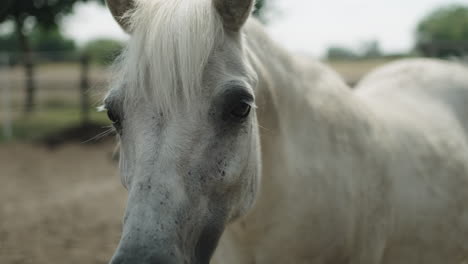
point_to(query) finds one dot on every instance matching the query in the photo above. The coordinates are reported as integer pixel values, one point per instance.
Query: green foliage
(446, 23)
(49, 43)
(50, 40)
(9, 43)
(367, 50)
(46, 12)
(370, 49)
(103, 51)
(443, 29)
(45, 16)
(340, 52)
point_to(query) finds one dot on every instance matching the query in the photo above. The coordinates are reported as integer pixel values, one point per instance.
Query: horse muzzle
(161, 228)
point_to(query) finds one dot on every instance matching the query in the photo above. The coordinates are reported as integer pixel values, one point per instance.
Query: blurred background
(60, 194)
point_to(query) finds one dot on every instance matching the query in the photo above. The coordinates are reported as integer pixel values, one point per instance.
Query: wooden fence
(72, 79)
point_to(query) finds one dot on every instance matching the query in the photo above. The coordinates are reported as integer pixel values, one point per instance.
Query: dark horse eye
(241, 110)
(115, 119)
(112, 116)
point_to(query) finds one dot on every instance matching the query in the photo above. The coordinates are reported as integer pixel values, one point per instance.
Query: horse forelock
(168, 51)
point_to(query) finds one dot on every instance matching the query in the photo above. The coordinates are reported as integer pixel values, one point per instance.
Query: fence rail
(70, 82)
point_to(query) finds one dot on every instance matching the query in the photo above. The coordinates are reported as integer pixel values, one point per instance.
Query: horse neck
(303, 110)
(293, 88)
(300, 98)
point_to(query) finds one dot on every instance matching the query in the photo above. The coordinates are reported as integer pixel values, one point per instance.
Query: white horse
(234, 151)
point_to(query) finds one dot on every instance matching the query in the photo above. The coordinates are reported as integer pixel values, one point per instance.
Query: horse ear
(119, 9)
(234, 13)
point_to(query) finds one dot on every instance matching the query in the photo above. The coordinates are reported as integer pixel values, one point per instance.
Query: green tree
(8, 43)
(47, 14)
(50, 43)
(444, 31)
(340, 52)
(370, 49)
(50, 40)
(103, 51)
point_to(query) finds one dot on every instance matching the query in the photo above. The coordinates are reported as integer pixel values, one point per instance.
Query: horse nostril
(207, 243)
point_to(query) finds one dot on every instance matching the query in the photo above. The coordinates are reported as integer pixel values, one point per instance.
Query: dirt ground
(59, 206)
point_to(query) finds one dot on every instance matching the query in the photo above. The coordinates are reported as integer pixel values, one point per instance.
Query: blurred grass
(49, 120)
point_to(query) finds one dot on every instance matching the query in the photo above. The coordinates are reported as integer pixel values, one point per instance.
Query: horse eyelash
(108, 131)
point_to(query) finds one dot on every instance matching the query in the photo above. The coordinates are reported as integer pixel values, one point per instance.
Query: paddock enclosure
(65, 204)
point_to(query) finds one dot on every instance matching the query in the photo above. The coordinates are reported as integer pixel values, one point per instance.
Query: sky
(304, 26)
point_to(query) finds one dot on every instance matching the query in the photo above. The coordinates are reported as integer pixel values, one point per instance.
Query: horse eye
(241, 110)
(114, 118)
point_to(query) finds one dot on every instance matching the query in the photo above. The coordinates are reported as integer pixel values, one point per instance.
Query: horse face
(189, 171)
(188, 174)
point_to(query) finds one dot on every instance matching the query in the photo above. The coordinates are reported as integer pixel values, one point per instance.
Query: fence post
(84, 89)
(6, 102)
(30, 82)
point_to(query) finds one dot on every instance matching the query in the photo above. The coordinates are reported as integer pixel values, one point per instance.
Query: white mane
(169, 49)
